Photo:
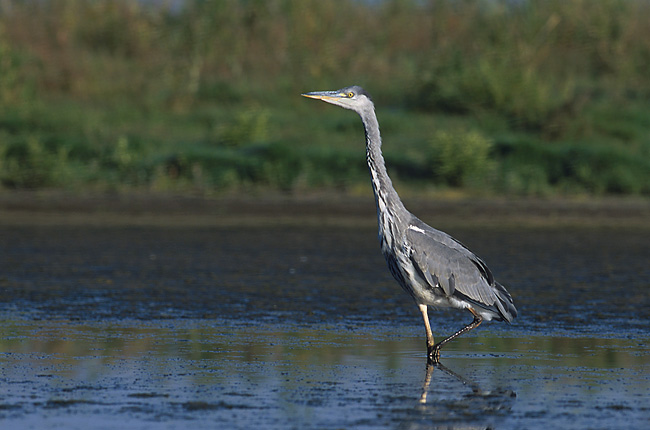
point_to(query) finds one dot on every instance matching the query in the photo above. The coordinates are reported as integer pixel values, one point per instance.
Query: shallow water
(304, 328)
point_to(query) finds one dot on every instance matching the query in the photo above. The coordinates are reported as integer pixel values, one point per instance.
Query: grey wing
(445, 263)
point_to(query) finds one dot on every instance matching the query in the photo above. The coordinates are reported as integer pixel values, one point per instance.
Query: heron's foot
(433, 354)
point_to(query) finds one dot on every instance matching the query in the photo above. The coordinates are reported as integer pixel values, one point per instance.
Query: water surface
(302, 327)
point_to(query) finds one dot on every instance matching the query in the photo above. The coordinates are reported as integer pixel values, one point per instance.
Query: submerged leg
(427, 327)
(434, 354)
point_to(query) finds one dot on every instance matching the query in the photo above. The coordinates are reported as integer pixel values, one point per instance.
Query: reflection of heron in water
(427, 380)
(434, 268)
(497, 401)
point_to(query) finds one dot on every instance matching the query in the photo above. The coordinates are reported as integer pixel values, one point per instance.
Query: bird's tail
(504, 304)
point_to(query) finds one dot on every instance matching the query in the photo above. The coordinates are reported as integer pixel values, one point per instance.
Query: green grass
(490, 97)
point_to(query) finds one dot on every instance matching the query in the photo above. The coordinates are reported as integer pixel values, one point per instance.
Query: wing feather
(444, 262)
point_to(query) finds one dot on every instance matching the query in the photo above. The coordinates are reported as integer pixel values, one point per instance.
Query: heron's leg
(427, 327)
(435, 353)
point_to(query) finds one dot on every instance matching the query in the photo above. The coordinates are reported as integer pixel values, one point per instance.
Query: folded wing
(447, 264)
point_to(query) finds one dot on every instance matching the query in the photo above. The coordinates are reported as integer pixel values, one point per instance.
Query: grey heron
(430, 265)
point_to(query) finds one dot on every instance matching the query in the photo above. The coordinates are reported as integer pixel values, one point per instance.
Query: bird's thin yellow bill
(322, 96)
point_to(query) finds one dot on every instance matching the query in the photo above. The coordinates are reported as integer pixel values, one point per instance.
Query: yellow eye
(350, 94)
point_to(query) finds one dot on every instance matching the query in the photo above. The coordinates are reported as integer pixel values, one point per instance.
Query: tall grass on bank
(531, 97)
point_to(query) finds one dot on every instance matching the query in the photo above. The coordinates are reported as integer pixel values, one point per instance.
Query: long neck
(390, 210)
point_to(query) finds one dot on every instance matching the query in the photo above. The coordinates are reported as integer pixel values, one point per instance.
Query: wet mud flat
(300, 326)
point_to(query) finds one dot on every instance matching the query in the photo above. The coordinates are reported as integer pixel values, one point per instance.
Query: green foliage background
(545, 97)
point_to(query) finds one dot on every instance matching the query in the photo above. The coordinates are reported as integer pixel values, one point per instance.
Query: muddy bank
(57, 208)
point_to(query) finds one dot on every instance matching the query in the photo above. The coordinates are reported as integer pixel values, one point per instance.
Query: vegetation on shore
(525, 98)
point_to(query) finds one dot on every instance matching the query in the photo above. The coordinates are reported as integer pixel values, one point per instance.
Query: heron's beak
(324, 95)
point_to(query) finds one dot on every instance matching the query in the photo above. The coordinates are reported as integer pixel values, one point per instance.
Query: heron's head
(354, 97)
